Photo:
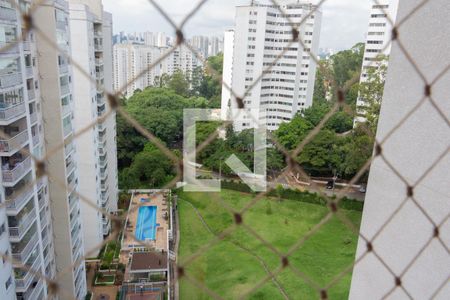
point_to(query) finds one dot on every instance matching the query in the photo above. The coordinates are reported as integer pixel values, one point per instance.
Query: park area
(236, 264)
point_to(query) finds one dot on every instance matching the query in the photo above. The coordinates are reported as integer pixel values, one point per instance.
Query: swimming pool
(146, 223)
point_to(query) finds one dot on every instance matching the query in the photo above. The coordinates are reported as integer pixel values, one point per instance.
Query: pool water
(146, 223)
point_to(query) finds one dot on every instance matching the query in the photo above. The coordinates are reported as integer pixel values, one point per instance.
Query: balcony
(41, 200)
(22, 254)
(12, 174)
(65, 89)
(33, 293)
(61, 25)
(31, 94)
(68, 149)
(23, 280)
(98, 62)
(63, 69)
(101, 110)
(35, 140)
(33, 117)
(15, 143)
(72, 184)
(29, 71)
(19, 231)
(9, 112)
(9, 48)
(70, 167)
(19, 198)
(73, 200)
(67, 129)
(99, 75)
(10, 79)
(66, 109)
(98, 47)
(8, 14)
(26, 46)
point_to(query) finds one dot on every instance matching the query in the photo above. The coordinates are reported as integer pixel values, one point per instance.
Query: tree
(371, 92)
(347, 64)
(292, 133)
(151, 168)
(320, 155)
(179, 84)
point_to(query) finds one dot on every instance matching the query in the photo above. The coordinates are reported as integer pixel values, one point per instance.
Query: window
(2, 229)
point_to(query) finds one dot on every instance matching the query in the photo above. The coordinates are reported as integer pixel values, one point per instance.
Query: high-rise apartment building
(91, 28)
(207, 46)
(56, 80)
(382, 16)
(261, 33)
(40, 219)
(131, 61)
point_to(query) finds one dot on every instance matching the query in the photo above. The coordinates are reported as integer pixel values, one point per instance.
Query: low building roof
(147, 261)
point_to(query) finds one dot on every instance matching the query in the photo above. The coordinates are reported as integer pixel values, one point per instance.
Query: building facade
(91, 27)
(261, 33)
(132, 62)
(40, 221)
(382, 17)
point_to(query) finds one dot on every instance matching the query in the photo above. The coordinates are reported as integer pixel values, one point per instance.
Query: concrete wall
(412, 150)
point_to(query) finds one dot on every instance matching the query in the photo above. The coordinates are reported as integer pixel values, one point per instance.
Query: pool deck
(161, 232)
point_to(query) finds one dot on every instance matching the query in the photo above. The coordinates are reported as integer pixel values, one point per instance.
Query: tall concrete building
(132, 60)
(406, 211)
(40, 219)
(91, 28)
(261, 33)
(382, 15)
(62, 165)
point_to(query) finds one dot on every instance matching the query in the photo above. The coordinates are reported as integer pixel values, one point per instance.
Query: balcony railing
(26, 46)
(25, 223)
(69, 148)
(8, 14)
(11, 79)
(24, 282)
(61, 25)
(70, 167)
(67, 130)
(98, 47)
(65, 89)
(31, 94)
(35, 139)
(12, 175)
(25, 252)
(29, 72)
(99, 75)
(34, 293)
(19, 198)
(13, 111)
(71, 185)
(15, 143)
(9, 48)
(33, 118)
(98, 61)
(73, 200)
(63, 69)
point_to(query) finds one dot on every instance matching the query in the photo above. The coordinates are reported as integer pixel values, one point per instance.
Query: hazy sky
(344, 22)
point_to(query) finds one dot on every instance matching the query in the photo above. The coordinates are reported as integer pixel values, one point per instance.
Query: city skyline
(344, 22)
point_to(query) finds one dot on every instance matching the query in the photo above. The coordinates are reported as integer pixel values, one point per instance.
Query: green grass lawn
(229, 271)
